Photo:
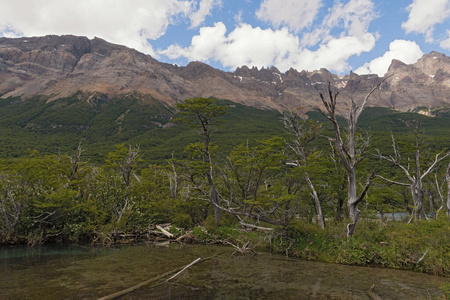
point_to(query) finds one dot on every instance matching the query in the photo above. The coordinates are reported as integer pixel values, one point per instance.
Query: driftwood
(192, 263)
(245, 249)
(154, 279)
(165, 232)
(372, 294)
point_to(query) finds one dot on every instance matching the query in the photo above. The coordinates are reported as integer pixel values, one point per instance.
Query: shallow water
(89, 273)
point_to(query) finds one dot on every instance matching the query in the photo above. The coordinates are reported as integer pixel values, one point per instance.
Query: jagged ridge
(59, 66)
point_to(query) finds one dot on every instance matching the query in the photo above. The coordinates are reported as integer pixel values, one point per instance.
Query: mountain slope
(59, 66)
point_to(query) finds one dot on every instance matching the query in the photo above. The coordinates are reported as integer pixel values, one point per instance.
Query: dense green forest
(94, 170)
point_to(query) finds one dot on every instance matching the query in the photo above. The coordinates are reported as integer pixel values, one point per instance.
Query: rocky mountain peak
(59, 66)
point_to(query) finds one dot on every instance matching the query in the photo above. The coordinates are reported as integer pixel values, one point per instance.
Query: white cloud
(445, 44)
(406, 51)
(204, 10)
(295, 14)
(424, 15)
(281, 47)
(250, 46)
(116, 21)
(334, 54)
(244, 46)
(353, 18)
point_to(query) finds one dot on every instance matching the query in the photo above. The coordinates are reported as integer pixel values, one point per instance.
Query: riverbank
(423, 246)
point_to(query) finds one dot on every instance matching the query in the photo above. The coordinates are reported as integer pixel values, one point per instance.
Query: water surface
(89, 273)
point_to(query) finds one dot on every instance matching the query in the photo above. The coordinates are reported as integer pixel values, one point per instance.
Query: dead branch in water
(245, 249)
(372, 294)
(192, 263)
(159, 277)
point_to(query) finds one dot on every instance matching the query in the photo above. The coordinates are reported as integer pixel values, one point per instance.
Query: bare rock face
(59, 66)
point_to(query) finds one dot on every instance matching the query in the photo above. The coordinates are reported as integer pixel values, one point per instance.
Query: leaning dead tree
(413, 172)
(347, 149)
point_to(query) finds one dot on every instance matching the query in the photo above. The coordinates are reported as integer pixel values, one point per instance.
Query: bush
(182, 220)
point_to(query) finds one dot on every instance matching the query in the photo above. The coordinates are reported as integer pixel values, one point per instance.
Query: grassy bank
(423, 246)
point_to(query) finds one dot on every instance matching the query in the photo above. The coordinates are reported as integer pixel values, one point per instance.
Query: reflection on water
(89, 273)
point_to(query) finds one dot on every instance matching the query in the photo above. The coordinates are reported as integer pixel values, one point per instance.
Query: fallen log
(179, 270)
(165, 232)
(192, 263)
(372, 294)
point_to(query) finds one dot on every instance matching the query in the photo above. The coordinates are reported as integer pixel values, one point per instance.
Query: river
(62, 272)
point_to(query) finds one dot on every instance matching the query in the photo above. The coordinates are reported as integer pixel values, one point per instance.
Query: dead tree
(75, 161)
(414, 174)
(349, 153)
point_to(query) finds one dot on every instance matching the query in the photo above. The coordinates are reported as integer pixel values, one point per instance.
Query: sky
(362, 36)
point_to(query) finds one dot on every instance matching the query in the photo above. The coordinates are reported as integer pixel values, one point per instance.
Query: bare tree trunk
(383, 221)
(431, 200)
(447, 178)
(348, 153)
(339, 210)
(352, 202)
(173, 180)
(320, 217)
(76, 161)
(215, 199)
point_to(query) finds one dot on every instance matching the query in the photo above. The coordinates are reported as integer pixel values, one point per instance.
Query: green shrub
(182, 220)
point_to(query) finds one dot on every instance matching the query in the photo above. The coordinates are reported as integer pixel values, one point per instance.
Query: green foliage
(395, 245)
(182, 220)
(201, 112)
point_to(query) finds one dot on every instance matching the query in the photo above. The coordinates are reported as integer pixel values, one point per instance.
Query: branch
(392, 181)
(433, 165)
(396, 163)
(361, 108)
(254, 226)
(366, 188)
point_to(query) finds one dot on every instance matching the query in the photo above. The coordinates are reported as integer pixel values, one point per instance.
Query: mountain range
(60, 66)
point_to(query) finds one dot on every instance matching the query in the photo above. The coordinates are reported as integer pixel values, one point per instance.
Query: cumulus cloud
(243, 46)
(334, 54)
(406, 51)
(250, 46)
(204, 10)
(353, 18)
(295, 14)
(424, 15)
(116, 21)
(282, 47)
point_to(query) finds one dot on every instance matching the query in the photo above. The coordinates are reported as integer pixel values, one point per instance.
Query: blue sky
(348, 35)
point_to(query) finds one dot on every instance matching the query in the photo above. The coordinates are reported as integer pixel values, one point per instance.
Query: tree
(203, 114)
(384, 199)
(251, 189)
(304, 131)
(124, 161)
(413, 172)
(349, 152)
(10, 207)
